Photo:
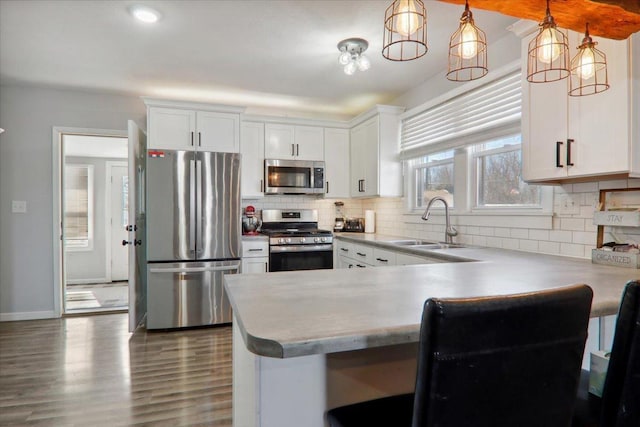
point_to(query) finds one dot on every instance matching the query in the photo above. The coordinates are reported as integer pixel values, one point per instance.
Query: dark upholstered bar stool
(497, 361)
(620, 403)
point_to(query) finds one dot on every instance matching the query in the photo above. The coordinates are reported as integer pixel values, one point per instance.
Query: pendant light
(405, 30)
(467, 50)
(588, 69)
(548, 57)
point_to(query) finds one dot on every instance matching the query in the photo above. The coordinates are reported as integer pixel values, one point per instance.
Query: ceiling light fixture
(548, 58)
(467, 50)
(145, 14)
(352, 55)
(405, 31)
(588, 69)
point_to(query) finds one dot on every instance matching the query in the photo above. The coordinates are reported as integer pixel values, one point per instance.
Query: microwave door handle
(192, 205)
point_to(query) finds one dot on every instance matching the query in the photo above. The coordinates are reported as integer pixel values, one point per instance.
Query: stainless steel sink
(440, 246)
(413, 242)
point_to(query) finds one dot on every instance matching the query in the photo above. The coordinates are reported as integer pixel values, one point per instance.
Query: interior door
(137, 226)
(119, 220)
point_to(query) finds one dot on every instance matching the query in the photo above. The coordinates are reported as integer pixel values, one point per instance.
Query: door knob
(131, 228)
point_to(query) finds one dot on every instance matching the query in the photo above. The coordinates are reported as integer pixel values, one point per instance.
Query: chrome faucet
(449, 231)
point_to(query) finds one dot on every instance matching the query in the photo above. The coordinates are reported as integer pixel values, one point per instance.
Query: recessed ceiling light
(145, 14)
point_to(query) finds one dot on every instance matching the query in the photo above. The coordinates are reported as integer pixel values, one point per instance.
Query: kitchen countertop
(289, 314)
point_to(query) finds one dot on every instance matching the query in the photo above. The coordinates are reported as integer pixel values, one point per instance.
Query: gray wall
(90, 266)
(28, 115)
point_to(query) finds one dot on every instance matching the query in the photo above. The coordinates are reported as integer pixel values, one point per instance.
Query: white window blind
(495, 106)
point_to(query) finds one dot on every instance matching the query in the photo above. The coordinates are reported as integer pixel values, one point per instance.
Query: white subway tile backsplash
(529, 245)
(494, 242)
(539, 234)
(502, 232)
(549, 247)
(608, 185)
(585, 187)
(560, 236)
(585, 238)
(571, 249)
(511, 244)
(573, 224)
(520, 233)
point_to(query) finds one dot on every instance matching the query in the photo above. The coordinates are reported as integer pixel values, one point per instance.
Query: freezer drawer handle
(194, 269)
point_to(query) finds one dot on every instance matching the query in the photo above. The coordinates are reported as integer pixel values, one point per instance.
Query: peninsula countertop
(298, 313)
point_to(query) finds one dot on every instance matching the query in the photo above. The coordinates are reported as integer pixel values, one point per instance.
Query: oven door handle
(301, 248)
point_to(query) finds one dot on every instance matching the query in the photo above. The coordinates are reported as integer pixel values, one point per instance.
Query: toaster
(354, 225)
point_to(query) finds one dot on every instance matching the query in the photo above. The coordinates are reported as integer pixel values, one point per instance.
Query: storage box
(598, 371)
(618, 259)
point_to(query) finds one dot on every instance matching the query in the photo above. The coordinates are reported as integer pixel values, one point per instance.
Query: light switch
(18, 206)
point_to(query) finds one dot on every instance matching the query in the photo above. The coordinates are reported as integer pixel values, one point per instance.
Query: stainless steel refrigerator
(193, 236)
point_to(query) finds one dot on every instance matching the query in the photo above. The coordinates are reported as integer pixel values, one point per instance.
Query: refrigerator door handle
(198, 203)
(195, 269)
(192, 205)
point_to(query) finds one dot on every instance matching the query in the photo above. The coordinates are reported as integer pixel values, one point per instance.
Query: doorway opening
(94, 215)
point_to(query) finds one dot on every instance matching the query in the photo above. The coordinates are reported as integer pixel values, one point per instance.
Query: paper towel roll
(369, 222)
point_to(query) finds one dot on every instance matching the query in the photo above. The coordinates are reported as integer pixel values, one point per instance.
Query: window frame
(426, 165)
(79, 245)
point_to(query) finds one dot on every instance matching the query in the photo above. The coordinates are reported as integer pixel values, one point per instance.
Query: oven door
(300, 257)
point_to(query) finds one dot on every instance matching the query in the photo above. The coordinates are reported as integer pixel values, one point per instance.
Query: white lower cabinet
(362, 255)
(255, 256)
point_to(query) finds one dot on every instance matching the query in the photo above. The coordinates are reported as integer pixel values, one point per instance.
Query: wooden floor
(89, 371)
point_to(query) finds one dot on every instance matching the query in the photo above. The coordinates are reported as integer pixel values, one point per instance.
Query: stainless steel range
(295, 242)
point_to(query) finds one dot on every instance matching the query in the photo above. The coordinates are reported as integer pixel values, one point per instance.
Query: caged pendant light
(588, 69)
(405, 30)
(548, 57)
(467, 50)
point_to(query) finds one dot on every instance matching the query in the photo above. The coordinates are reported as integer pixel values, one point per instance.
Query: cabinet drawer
(344, 249)
(382, 257)
(362, 253)
(251, 249)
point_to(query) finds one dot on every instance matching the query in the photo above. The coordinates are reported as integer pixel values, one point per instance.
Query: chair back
(501, 361)
(621, 392)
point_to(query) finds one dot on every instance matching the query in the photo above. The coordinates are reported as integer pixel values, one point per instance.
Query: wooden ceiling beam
(613, 19)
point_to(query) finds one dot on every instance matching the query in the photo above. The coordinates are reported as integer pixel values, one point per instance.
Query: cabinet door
(344, 262)
(219, 132)
(279, 141)
(599, 124)
(255, 265)
(370, 158)
(358, 144)
(362, 254)
(171, 129)
(252, 149)
(336, 163)
(309, 143)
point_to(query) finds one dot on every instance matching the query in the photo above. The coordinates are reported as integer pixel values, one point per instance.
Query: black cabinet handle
(297, 149)
(261, 186)
(293, 150)
(382, 260)
(192, 138)
(361, 254)
(255, 250)
(327, 187)
(558, 144)
(199, 139)
(361, 266)
(569, 142)
(344, 249)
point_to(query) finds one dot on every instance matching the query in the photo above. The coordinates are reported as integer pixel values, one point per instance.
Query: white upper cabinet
(252, 149)
(171, 128)
(291, 142)
(376, 169)
(218, 132)
(336, 160)
(567, 137)
(186, 126)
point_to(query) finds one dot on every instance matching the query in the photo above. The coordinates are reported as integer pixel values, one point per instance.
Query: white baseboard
(87, 281)
(28, 315)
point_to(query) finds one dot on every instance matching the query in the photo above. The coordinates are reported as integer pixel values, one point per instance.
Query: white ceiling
(273, 54)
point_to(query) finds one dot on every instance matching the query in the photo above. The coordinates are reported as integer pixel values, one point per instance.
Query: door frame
(107, 207)
(57, 171)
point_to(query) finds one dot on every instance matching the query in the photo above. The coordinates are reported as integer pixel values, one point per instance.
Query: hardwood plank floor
(89, 371)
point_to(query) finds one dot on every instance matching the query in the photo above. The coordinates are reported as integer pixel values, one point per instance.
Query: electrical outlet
(568, 205)
(18, 206)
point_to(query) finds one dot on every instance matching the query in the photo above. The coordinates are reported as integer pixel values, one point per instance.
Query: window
(78, 207)
(498, 175)
(433, 177)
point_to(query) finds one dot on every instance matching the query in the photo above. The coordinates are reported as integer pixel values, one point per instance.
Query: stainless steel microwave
(293, 177)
